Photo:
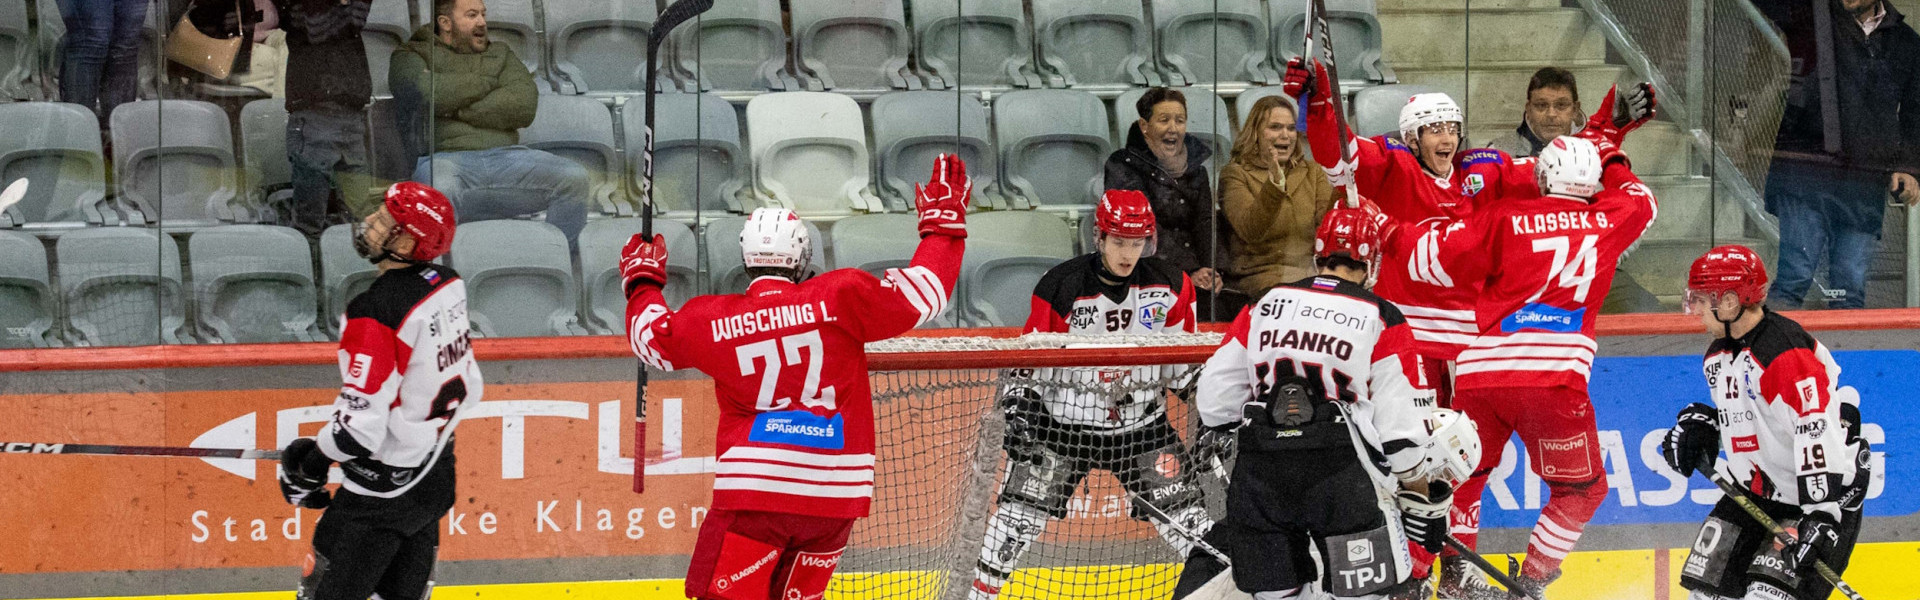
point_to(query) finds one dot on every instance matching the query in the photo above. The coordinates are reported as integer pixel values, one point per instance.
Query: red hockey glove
(1299, 78)
(1620, 114)
(643, 263)
(942, 201)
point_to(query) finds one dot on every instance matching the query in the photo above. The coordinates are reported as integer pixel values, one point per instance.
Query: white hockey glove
(1425, 515)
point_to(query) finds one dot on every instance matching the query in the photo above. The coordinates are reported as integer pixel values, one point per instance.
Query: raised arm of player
(908, 297)
(643, 272)
(1804, 380)
(1400, 408)
(1369, 165)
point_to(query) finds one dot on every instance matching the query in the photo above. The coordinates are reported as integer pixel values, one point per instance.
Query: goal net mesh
(941, 461)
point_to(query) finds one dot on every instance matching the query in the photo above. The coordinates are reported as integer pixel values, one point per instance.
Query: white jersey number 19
(770, 353)
(1578, 274)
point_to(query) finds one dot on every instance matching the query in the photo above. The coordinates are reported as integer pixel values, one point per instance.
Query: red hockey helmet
(425, 214)
(1727, 269)
(1125, 213)
(1349, 232)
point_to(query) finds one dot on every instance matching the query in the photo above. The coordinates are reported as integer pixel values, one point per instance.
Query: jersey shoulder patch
(1393, 143)
(394, 294)
(1483, 156)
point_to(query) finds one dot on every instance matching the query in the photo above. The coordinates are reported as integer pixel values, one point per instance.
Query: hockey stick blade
(1780, 535)
(1512, 586)
(114, 450)
(13, 194)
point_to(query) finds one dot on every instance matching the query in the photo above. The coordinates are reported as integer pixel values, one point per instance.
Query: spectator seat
(1376, 110)
(727, 271)
(181, 174)
(56, 147)
(388, 25)
(28, 305)
(698, 162)
(581, 130)
(600, 47)
(1007, 252)
(519, 278)
(600, 245)
(344, 273)
(977, 43)
(253, 284)
(517, 23)
(876, 243)
(910, 129)
(263, 152)
(1095, 43)
(1054, 146)
(810, 153)
(1244, 102)
(16, 51)
(121, 286)
(748, 49)
(1213, 41)
(1356, 38)
(852, 45)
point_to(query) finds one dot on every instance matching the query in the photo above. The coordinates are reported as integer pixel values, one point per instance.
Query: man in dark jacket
(1848, 138)
(327, 92)
(481, 95)
(1169, 165)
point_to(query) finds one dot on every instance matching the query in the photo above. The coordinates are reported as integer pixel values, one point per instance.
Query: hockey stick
(1503, 579)
(671, 18)
(114, 450)
(1320, 47)
(1306, 58)
(1739, 497)
(1180, 529)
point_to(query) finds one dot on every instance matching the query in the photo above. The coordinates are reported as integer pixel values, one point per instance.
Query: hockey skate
(1413, 589)
(1461, 580)
(1536, 586)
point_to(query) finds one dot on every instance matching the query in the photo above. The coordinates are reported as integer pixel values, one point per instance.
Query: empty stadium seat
(581, 129)
(1007, 252)
(600, 245)
(738, 45)
(343, 273)
(850, 45)
(1097, 43)
(1376, 110)
(519, 279)
(263, 152)
(698, 163)
(1214, 40)
(1244, 102)
(16, 51)
(600, 46)
(910, 129)
(388, 25)
(180, 174)
(1207, 118)
(121, 287)
(1054, 146)
(726, 270)
(253, 284)
(516, 23)
(977, 43)
(1356, 38)
(28, 305)
(875, 243)
(810, 153)
(56, 147)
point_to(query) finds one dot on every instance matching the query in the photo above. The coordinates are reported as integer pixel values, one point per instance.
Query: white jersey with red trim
(1781, 415)
(789, 368)
(1072, 298)
(1542, 267)
(407, 372)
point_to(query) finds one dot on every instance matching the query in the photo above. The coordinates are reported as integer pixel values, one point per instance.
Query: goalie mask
(775, 238)
(1453, 447)
(1570, 168)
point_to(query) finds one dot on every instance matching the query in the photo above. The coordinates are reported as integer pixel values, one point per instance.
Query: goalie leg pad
(1046, 482)
(1010, 530)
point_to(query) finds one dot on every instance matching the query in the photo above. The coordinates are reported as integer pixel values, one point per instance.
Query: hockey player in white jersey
(1792, 437)
(1313, 386)
(407, 371)
(1064, 422)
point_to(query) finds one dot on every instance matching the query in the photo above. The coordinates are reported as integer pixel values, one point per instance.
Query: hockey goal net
(941, 462)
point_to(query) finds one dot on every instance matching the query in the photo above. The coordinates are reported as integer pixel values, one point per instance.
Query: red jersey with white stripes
(789, 368)
(1389, 173)
(1542, 267)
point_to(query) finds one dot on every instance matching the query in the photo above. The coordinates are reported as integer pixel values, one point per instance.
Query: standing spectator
(1274, 198)
(1553, 110)
(1847, 139)
(100, 63)
(481, 96)
(1169, 165)
(326, 111)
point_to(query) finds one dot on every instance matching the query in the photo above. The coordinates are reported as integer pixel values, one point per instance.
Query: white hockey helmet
(1453, 447)
(775, 238)
(1570, 167)
(1427, 109)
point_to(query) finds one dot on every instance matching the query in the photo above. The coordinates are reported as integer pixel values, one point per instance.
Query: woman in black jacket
(1168, 164)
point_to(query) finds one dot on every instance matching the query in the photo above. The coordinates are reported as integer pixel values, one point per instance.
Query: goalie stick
(1780, 535)
(1319, 46)
(671, 18)
(1161, 516)
(116, 450)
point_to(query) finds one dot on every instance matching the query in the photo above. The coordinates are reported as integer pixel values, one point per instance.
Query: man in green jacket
(480, 96)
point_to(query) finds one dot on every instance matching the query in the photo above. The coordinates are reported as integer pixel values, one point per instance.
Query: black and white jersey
(407, 372)
(1781, 415)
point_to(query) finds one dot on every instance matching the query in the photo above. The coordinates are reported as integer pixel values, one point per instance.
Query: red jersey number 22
(766, 357)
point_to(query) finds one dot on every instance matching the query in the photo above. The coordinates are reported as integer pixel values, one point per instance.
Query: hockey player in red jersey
(1314, 387)
(1058, 430)
(1543, 266)
(407, 373)
(789, 367)
(1792, 436)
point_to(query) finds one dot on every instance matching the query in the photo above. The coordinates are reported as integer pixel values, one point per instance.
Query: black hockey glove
(1021, 407)
(1634, 107)
(1694, 440)
(1425, 515)
(303, 474)
(1818, 537)
(1215, 445)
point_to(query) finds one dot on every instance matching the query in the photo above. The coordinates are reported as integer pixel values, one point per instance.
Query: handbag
(198, 51)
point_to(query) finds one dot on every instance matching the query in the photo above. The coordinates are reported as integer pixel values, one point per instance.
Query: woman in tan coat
(1274, 198)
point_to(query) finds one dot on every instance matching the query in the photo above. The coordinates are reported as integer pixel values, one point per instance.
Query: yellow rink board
(1879, 571)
